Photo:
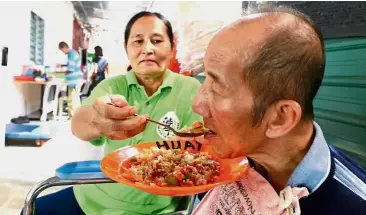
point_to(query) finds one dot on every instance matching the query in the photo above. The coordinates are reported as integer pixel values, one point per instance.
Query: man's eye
(138, 41)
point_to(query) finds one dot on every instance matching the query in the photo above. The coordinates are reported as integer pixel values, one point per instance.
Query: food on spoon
(197, 127)
(161, 167)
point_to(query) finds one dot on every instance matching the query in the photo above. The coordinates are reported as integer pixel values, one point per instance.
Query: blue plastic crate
(80, 170)
(21, 131)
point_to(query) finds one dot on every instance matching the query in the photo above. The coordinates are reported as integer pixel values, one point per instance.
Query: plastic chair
(50, 99)
(85, 172)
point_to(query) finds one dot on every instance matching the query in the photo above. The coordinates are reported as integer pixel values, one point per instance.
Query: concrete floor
(13, 193)
(21, 167)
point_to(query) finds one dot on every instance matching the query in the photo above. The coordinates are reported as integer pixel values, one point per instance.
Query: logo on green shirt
(171, 119)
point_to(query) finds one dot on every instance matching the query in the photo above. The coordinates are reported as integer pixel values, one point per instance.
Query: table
(47, 105)
(31, 82)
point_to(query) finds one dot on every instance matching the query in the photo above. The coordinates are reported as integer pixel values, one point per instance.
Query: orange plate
(231, 169)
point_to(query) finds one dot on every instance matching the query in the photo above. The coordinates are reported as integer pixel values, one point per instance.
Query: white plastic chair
(50, 98)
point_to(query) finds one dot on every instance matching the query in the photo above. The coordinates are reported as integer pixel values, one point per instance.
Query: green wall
(340, 106)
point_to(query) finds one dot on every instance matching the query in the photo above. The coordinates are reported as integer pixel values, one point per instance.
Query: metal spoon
(177, 133)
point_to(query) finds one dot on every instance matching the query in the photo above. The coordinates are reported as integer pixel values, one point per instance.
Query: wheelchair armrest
(186, 206)
(80, 170)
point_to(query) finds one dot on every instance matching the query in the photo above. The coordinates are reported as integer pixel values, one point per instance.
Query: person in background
(100, 68)
(74, 77)
(262, 75)
(149, 89)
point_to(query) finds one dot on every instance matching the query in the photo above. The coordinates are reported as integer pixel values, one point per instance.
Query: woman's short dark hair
(98, 51)
(147, 13)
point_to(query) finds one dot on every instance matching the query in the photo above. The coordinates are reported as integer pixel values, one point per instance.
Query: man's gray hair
(290, 65)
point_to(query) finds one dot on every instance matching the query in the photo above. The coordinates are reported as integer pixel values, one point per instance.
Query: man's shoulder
(343, 192)
(349, 175)
(333, 197)
(346, 166)
(72, 52)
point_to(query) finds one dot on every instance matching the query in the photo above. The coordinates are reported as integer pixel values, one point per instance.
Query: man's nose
(200, 105)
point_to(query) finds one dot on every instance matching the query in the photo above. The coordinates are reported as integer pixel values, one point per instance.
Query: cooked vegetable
(160, 167)
(197, 127)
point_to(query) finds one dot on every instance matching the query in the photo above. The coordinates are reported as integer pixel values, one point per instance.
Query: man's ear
(282, 117)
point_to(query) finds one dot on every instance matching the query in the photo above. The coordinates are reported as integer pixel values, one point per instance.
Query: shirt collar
(315, 167)
(169, 79)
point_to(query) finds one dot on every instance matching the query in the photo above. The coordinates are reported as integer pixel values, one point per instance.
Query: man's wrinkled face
(225, 100)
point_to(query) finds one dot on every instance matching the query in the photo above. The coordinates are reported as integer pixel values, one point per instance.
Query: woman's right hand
(115, 122)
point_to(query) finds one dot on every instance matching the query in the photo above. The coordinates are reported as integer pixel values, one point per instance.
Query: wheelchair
(86, 172)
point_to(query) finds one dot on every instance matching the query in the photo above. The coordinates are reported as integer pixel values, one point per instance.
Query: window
(36, 39)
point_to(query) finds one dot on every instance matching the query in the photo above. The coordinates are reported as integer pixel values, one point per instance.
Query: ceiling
(107, 14)
(107, 19)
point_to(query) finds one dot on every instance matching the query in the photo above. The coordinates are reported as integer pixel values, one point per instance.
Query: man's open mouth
(210, 133)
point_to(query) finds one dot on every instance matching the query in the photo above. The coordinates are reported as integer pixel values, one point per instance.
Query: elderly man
(263, 73)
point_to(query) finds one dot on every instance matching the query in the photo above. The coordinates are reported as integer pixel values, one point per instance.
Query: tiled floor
(13, 194)
(23, 167)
